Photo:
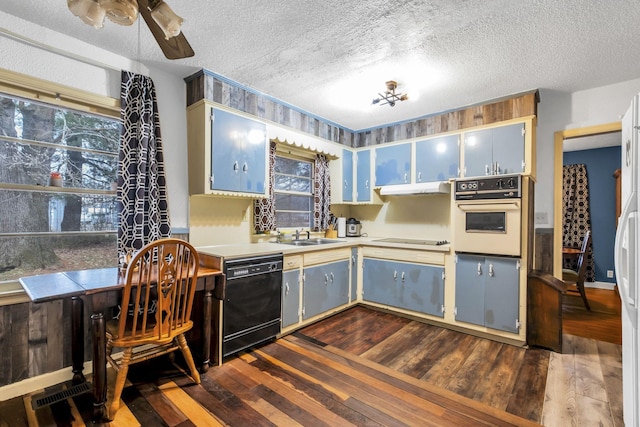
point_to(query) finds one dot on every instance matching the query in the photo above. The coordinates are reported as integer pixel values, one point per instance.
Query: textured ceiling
(331, 57)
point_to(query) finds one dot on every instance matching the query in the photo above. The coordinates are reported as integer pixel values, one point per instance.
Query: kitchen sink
(312, 242)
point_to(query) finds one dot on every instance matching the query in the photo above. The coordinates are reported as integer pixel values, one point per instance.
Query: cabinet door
(437, 159)
(393, 164)
(354, 273)
(422, 288)
(325, 287)
(508, 148)
(238, 153)
(363, 173)
(470, 283)
(380, 282)
(478, 152)
(347, 176)
(502, 295)
(290, 297)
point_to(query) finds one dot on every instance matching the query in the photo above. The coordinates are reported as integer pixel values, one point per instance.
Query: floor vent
(47, 399)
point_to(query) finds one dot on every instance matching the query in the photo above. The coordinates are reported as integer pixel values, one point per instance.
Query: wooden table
(566, 252)
(102, 287)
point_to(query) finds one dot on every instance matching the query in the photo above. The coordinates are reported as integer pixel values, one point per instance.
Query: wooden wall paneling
(543, 252)
(5, 345)
(55, 332)
(19, 343)
(37, 339)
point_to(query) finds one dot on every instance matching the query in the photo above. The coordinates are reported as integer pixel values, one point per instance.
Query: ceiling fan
(161, 20)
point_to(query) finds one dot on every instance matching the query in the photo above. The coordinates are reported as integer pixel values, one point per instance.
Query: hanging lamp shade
(167, 20)
(89, 11)
(123, 12)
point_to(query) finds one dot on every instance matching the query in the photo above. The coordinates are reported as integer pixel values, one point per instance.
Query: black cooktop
(413, 241)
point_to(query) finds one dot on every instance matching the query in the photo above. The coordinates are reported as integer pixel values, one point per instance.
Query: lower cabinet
(325, 286)
(290, 297)
(416, 287)
(488, 291)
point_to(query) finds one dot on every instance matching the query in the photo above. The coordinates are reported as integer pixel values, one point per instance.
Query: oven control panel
(490, 187)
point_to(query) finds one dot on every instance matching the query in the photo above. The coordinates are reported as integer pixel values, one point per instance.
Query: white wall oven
(488, 217)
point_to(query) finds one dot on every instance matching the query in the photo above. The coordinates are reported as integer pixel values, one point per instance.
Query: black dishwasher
(253, 302)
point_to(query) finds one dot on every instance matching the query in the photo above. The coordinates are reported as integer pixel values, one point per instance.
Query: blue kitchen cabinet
(354, 273)
(393, 164)
(363, 175)
(326, 286)
(487, 291)
(415, 287)
(347, 176)
(494, 151)
(238, 153)
(290, 297)
(437, 159)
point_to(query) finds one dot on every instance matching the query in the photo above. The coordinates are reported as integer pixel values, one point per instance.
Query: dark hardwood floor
(365, 367)
(601, 323)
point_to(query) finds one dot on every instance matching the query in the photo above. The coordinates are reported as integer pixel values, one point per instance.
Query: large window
(293, 190)
(57, 188)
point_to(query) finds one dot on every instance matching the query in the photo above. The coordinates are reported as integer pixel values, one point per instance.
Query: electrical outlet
(541, 218)
(610, 274)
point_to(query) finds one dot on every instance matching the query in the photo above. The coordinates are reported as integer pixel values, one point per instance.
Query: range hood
(437, 187)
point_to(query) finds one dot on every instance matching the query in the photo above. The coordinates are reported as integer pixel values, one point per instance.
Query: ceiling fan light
(123, 12)
(79, 7)
(94, 15)
(167, 20)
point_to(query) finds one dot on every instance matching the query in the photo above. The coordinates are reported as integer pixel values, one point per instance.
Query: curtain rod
(25, 40)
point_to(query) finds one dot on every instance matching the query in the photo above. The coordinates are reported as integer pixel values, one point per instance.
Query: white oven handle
(489, 207)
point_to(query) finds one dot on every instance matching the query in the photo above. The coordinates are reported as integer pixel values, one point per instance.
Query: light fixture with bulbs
(125, 12)
(390, 96)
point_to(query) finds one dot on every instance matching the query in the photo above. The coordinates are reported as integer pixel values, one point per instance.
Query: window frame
(301, 157)
(56, 95)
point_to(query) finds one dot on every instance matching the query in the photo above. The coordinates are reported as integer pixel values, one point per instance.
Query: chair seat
(569, 275)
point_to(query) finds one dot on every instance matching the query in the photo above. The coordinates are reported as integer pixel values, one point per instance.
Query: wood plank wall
(206, 85)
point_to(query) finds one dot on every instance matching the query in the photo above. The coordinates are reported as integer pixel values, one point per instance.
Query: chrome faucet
(297, 234)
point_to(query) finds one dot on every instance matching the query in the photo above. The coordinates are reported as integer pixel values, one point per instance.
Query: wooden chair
(577, 277)
(160, 283)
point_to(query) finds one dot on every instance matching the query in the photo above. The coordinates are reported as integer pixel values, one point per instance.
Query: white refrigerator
(626, 261)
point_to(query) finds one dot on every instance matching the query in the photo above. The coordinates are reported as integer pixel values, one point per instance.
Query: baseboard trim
(600, 285)
(40, 382)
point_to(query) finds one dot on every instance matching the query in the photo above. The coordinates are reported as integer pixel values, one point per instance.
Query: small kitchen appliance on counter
(354, 228)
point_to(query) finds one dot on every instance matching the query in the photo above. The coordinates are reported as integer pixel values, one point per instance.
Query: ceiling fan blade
(176, 47)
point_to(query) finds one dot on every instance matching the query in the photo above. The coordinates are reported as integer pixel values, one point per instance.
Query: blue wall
(601, 163)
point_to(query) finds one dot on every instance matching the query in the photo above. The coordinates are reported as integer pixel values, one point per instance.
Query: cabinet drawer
(424, 257)
(320, 257)
(292, 262)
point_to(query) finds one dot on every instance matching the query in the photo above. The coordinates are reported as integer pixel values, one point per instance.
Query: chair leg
(583, 294)
(186, 352)
(120, 380)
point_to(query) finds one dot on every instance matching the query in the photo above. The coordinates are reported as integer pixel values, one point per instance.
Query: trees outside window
(45, 228)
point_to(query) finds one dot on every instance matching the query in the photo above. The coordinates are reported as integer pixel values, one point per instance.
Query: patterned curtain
(142, 194)
(575, 213)
(264, 210)
(322, 198)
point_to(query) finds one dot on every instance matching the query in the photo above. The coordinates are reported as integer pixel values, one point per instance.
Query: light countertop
(240, 250)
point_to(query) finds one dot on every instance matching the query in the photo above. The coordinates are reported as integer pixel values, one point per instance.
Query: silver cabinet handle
(245, 167)
(353, 260)
(419, 176)
(406, 176)
(479, 269)
(395, 275)
(236, 166)
(331, 274)
(366, 184)
(345, 184)
(490, 270)
(402, 277)
(286, 288)
(326, 279)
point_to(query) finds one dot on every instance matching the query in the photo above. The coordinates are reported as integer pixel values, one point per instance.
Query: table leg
(99, 368)
(77, 340)
(206, 329)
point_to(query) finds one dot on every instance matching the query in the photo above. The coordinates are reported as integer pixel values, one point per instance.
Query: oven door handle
(489, 207)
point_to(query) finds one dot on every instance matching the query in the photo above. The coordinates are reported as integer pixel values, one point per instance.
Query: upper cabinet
(393, 164)
(347, 176)
(495, 151)
(437, 159)
(364, 189)
(351, 178)
(227, 152)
